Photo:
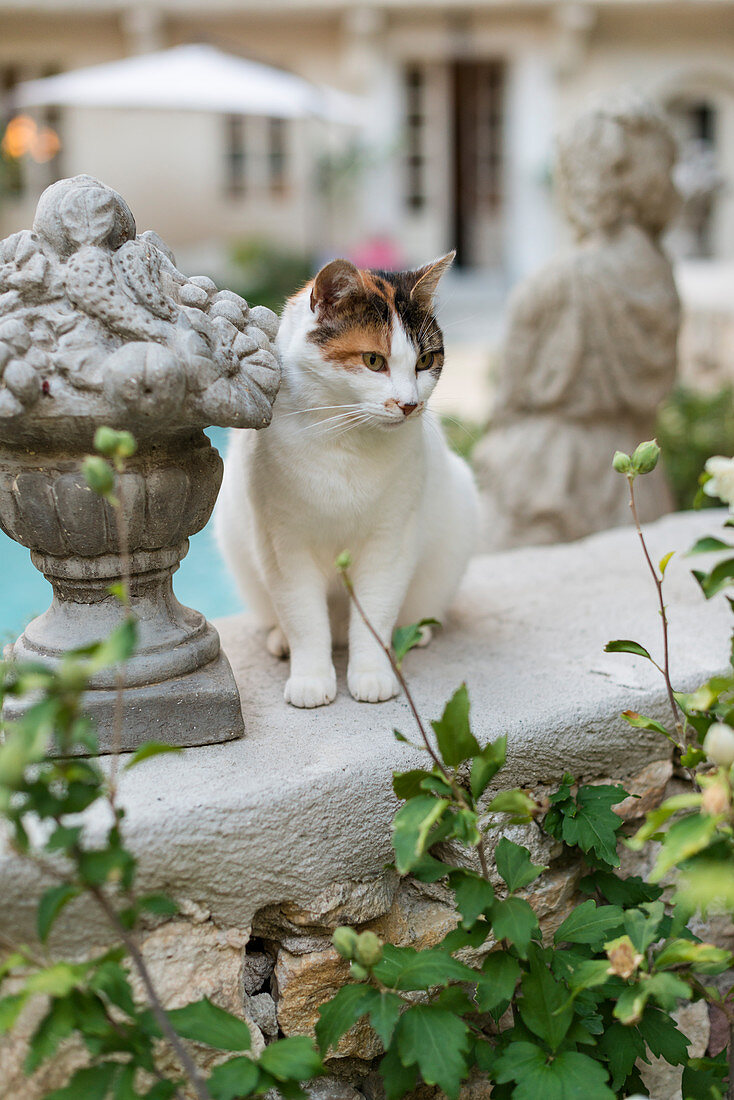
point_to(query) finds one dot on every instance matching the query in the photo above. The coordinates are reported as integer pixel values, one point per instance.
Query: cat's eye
(425, 362)
(374, 361)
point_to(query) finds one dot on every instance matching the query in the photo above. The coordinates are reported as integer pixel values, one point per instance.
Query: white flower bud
(719, 745)
(721, 483)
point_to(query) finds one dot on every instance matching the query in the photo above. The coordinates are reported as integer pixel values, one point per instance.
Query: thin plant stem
(663, 615)
(387, 650)
(118, 718)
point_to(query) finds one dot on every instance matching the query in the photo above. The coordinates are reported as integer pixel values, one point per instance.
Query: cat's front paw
(372, 685)
(311, 691)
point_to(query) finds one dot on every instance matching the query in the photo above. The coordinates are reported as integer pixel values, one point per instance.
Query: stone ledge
(305, 801)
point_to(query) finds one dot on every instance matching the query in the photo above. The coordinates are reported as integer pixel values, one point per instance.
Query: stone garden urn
(99, 327)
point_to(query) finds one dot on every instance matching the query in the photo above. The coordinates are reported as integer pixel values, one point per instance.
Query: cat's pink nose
(407, 409)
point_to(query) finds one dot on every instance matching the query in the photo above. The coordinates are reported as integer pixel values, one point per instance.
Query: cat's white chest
(336, 489)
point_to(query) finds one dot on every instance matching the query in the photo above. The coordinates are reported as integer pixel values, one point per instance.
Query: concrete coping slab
(305, 799)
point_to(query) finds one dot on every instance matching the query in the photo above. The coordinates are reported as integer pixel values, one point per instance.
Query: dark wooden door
(478, 138)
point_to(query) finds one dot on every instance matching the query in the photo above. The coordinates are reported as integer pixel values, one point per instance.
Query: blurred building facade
(463, 100)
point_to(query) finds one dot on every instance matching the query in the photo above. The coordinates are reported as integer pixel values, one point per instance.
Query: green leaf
(664, 561)
(398, 1078)
(587, 974)
(385, 1014)
(544, 1006)
(588, 821)
(428, 869)
(342, 1012)
(460, 937)
(692, 757)
(631, 1003)
(148, 749)
(663, 1037)
(486, 765)
(456, 742)
(684, 838)
(404, 968)
(118, 646)
(704, 957)
(570, 1076)
(294, 1059)
(63, 837)
(473, 895)
(514, 920)
(721, 576)
(92, 1083)
(112, 980)
(406, 638)
(667, 989)
(408, 784)
(10, 1009)
(704, 1078)
(159, 904)
(52, 902)
(516, 802)
(235, 1078)
(205, 1022)
(708, 545)
(55, 1026)
(640, 721)
(411, 828)
(591, 924)
(437, 1042)
(625, 645)
(499, 976)
(626, 892)
(642, 925)
(655, 818)
(57, 980)
(622, 1046)
(515, 866)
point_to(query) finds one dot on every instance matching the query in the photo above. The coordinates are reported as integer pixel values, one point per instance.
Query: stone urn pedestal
(108, 331)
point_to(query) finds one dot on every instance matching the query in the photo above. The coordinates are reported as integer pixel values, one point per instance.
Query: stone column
(98, 326)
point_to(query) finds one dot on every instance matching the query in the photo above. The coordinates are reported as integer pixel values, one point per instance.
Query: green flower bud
(369, 949)
(99, 475)
(114, 444)
(646, 456)
(621, 462)
(345, 941)
(358, 972)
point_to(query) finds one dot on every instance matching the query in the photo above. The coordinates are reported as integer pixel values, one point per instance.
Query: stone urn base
(178, 685)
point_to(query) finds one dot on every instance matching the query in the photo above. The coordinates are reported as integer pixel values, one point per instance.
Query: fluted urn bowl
(98, 326)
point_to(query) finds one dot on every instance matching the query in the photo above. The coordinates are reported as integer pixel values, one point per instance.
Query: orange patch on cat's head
(347, 347)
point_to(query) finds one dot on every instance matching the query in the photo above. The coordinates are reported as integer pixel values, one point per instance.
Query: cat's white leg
(380, 577)
(298, 588)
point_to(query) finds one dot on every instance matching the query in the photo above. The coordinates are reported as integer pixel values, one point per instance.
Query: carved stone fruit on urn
(99, 327)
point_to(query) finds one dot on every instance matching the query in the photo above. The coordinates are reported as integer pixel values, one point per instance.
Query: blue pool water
(201, 582)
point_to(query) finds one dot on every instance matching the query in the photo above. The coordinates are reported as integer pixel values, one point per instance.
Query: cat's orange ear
(337, 280)
(428, 277)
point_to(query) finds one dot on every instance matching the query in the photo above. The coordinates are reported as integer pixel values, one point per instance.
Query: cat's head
(366, 341)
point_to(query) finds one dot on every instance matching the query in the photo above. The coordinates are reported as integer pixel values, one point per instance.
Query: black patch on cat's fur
(420, 324)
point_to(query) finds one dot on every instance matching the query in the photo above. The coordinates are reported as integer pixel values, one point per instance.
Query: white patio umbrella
(195, 78)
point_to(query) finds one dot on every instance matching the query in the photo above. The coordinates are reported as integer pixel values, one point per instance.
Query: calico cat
(352, 460)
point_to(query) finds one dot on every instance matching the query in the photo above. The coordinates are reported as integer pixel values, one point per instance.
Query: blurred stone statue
(590, 351)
